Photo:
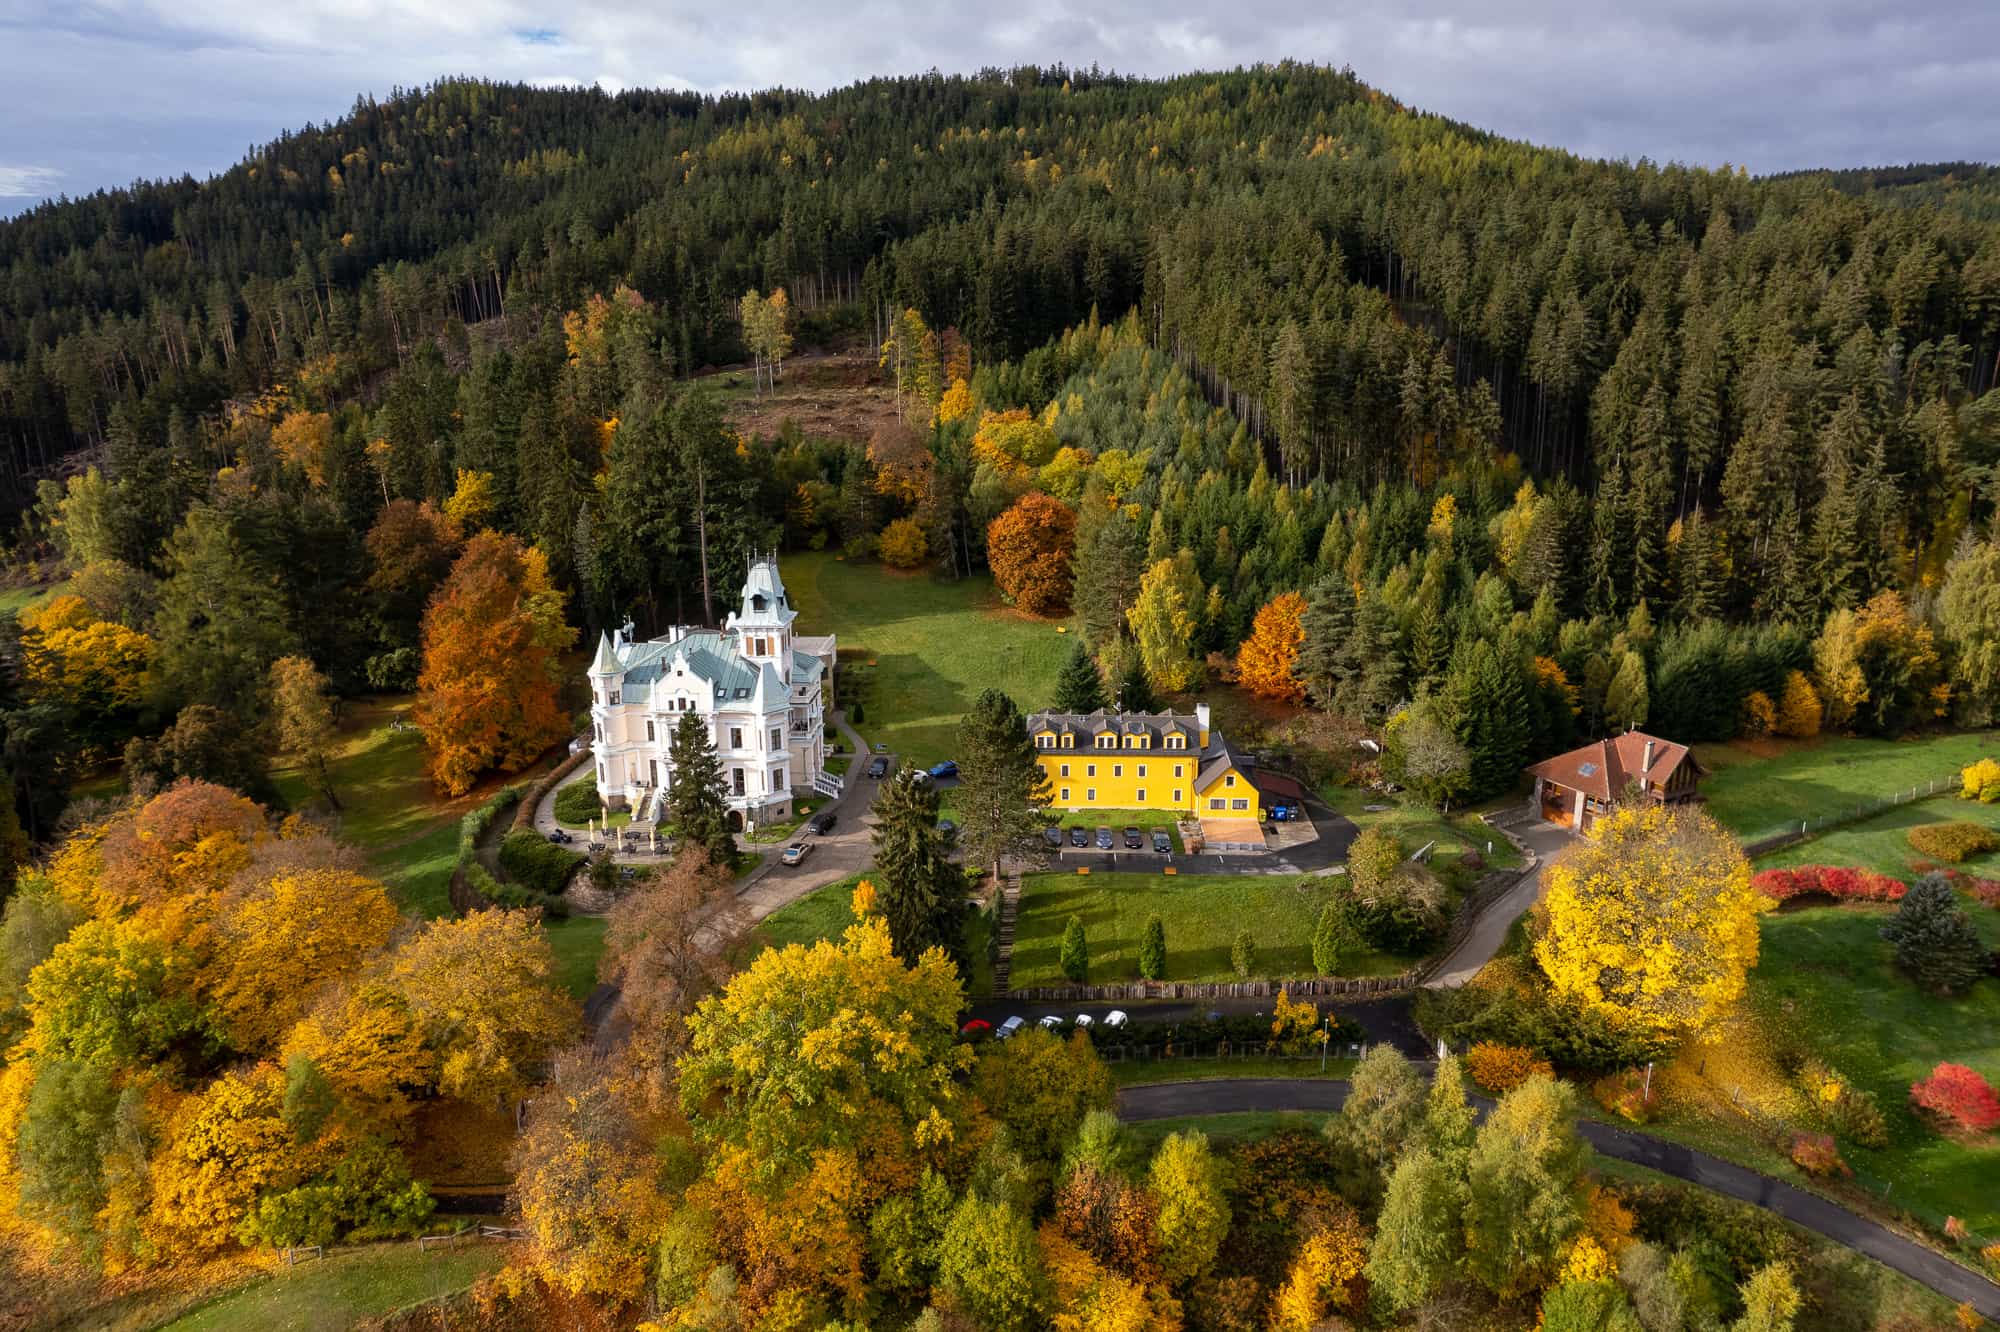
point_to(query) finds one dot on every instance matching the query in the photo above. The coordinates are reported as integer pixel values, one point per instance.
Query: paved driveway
(1490, 930)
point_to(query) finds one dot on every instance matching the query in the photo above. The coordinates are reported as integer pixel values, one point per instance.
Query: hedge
(1840, 882)
(541, 786)
(470, 829)
(534, 862)
(578, 802)
(1953, 842)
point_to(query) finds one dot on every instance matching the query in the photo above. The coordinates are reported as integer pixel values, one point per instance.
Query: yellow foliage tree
(369, 1046)
(1760, 715)
(92, 666)
(1165, 619)
(289, 937)
(1266, 663)
(1981, 781)
(303, 440)
(1878, 668)
(471, 502)
(1088, 1297)
(956, 403)
(1322, 1276)
(1798, 708)
(1013, 439)
(903, 544)
(223, 1148)
(483, 991)
(1651, 921)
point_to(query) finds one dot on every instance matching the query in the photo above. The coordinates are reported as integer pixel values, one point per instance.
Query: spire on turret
(607, 659)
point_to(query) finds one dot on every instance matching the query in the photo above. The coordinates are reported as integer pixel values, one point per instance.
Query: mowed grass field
(826, 912)
(1201, 913)
(345, 1289)
(1826, 979)
(934, 644)
(1882, 843)
(1759, 789)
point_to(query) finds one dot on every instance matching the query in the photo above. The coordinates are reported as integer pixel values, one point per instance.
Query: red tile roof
(1604, 768)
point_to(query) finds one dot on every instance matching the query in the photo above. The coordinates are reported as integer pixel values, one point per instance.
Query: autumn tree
(1041, 1087)
(1193, 1217)
(903, 544)
(287, 937)
(1003, 794)
(1798, 707)
(1651, 921)
(483, 991)
(302, 713)
(1029, 548)
(99, 672)
(697, 803)
(410, 552)
(1267, 662)
(1522, 1204)
(493, 639)
(667, 945)
(1420, 1235)
(1968, 612)
(1165, 620)
(1878, 668)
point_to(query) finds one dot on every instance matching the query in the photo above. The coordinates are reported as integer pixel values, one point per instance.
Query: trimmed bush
(536, 863)
(1075, 951)
(1501, 1068)
(1243, 954)
(1845, 1107)
(1958, 1098)
(1815, 1154)
(1153, 950)
(1953, 842)
(578, 803)
(1843, 883)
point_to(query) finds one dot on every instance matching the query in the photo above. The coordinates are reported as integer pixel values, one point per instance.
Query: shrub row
(1953, 842)
(534, 862)
(578, 802)
(541, 786)
(470, 829)
(1841, 882)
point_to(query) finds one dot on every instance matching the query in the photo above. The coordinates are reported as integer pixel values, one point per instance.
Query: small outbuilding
(1577, 788)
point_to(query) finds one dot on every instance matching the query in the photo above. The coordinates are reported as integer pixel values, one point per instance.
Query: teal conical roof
(607, 660)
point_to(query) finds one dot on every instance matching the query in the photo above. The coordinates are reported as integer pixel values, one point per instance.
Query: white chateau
(758, 686)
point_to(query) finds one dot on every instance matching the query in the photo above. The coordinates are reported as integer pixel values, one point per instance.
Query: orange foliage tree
(1029, 547)
(1266, 662)
(492, 638)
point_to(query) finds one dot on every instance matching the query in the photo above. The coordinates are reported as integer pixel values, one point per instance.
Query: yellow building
(1143, 760)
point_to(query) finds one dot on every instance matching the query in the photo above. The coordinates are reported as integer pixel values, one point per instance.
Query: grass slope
(578, 943)
(935, 646)
(1759, 789)
(345, 1289)
(1201, 913)
(826, 912)
(1882, 843)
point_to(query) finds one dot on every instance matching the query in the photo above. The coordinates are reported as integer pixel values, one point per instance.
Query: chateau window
(1230, 780)
(1177, 741)
(614, 697)
(1177, 769)
(1142, 797)
(736, 740)
(759, 647)
(1117, 770)
(650, 737)
(777, 738)
(1045, 742)
(1103, 741)
(736, 780)
(1091, 795)
(1142, 770)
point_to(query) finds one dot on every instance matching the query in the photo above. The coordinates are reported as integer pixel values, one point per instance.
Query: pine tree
(1936, 943)
(1135, 691)
(1377, 684)
(1002, 791)
(1079, 688)
(697, 801)
(1325, 660)
(922, 894)
(1625, 700)
(1487, 699)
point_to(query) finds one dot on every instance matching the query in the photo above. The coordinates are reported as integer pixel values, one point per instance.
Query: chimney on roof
(1646, 768)
(1201, 722)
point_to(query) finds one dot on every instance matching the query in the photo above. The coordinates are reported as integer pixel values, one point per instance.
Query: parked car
(878, 768)
(1084, 1019)
(1054, 837)
(1104, 839)
(1116, 1018)
(1079, 836)
(822, 822)
(1133, 841)
(976, 1027)
(940, 771)
(1009, 1027)
(561, 838)
(1284, 813)
(881, 748)
(1163, 841)
(1051, 1021)
(796, 853)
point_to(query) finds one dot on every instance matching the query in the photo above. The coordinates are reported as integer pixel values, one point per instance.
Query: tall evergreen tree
(697, 800)
(1935, 941)
(1487, 699)
(1107, 578)
(1135, 690)
(1326, 662)
(1079, 688)
(922, 894)
(1003, 792)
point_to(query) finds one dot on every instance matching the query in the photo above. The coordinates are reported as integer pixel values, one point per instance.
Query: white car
(1084, 1019)
(1116, 1018)
(1052, 1021)
(1008, 1028)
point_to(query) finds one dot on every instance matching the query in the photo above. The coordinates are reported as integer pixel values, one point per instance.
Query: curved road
(1170, 1100)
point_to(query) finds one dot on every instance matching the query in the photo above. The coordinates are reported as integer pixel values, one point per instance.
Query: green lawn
(578, 943)
(825, 913)
(1201, 913)
(1138, 1072)
(1758, 790)
(14, 600)
(1416, 823)
(1826, 980)
(935, 645)
(346, 1288)
(1882, 843)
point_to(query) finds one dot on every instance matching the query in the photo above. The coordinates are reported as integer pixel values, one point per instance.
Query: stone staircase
(1010, 905)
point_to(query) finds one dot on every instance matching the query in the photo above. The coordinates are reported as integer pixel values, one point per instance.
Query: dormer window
(1069, 741)
(757, 601)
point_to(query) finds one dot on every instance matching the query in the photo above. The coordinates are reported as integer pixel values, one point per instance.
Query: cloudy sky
(97, 92)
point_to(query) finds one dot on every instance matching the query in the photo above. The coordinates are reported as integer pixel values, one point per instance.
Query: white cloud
(28, 182)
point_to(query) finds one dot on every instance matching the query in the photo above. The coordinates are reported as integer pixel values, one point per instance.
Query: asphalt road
(1171, 1100)
(1384, 1019)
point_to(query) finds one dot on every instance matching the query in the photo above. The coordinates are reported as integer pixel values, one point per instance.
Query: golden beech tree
(1029, 547)
(304, 440)
(1266, 662)
(1323, 1275)
(368, 1044)
(289, 937)
(94, 666)
(492, 641)
(482, 989)
(223, 1147)
(1652, 921)
(302, 715)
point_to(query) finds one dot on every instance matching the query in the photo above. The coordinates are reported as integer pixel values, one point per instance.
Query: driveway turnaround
(1222, 1096)
(1489, 931)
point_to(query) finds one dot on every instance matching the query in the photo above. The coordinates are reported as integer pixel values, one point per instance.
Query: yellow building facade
(1142, 760)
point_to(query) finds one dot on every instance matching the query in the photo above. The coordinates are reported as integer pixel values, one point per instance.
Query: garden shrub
(1396, 909)
(1958, 1098)
(1075, 953)
(534, 862)
(1816, 1154)
(1501, 1068)
(1153, 950)
(1845, 1107)
(903, 544)
(1843, 883)
(1243, 954)
(1981, 781)
(578, 802)
(1626, 1094)
(1953, 842)
(1986, 891)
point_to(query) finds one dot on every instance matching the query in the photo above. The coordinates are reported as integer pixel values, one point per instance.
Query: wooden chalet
(1577, 788)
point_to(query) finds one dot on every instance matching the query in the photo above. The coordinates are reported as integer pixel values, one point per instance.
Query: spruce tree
(1075, 953)
(921, 893)
(1326, 662)
(1107, 579)
(1135, 691)
(1329, 937)
(1935, 941)
(1002, 790)
(1487, 699)
(697, 801)
(1079, 688)
(1153, 950)
(1376, 649)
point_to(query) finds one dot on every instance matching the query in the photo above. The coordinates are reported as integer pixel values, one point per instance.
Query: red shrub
(1843, 883)
(1986, 890)
(1815, 1154)
(1958, 1097)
